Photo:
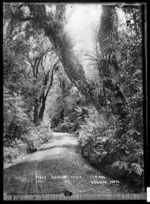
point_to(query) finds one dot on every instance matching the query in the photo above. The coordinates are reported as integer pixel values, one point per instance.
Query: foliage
(37, 135)
(71, 110)
(11, 153)
(22, 47)
(16, 120)
(102, 148)
(111, 138)
(73, 121)
(28, 141)
(117, 149)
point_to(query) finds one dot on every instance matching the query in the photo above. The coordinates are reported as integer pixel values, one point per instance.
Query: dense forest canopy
(92, 89)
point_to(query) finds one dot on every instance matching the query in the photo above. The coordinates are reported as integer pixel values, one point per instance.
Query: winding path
(57, 167)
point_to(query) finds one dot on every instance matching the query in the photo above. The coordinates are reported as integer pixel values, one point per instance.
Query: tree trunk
(72, 67)
(42, 108)
(108, 30)
(36, 112)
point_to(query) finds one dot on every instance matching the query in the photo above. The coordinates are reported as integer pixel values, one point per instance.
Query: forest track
(55, 168)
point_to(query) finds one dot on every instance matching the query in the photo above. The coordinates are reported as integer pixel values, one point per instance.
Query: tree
(42, 81)
(26, 53)
(53, 25)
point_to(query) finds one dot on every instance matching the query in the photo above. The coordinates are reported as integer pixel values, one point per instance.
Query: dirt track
(55, 168)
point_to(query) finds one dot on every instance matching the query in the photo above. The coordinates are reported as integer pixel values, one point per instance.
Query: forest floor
(55, 168)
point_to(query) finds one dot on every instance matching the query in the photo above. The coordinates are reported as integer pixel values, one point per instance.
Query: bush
(12, 152)
(72, 122)
(44, 132)
(28, 143)
(16, 121)
(68, 126)
(119, 157)
(37, 136)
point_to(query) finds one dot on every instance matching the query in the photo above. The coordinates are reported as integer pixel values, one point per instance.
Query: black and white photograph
(73, 93)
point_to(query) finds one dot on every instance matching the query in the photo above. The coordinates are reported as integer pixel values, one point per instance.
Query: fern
(135, 167)
(120, 165)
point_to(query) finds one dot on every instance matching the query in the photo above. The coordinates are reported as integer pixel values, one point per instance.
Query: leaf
(120, 165)
(133, 131)
(137, 168)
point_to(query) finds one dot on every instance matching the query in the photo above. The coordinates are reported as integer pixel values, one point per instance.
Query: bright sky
(84, 19)
(82, 26)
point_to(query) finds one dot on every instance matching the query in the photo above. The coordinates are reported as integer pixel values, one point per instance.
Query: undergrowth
(120, 158)
(34, 138)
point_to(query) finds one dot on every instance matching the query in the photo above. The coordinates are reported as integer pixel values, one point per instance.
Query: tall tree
(26, 53)
(120, 73)
(42, 78)
(53, 26)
